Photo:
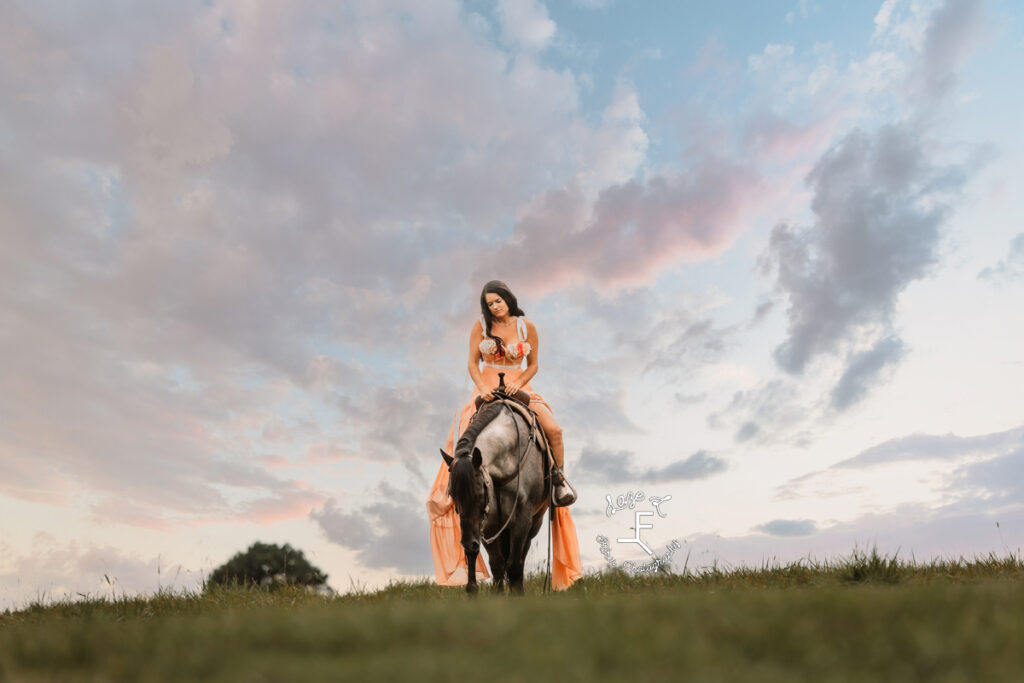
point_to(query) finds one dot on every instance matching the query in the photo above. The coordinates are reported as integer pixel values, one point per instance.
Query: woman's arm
(475, 335)
(531, 360)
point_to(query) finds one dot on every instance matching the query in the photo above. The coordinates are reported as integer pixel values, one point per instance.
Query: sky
(773, 251)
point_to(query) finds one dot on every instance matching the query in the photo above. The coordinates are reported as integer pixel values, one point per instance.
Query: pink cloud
(632, 230)
(711, 57)
(778, 139)
(272, 510)
(324, 452)
(272, 461)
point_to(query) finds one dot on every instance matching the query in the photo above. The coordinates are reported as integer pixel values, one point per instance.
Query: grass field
(862, 618)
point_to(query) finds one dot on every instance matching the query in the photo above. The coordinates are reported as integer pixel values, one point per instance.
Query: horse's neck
(498, 440)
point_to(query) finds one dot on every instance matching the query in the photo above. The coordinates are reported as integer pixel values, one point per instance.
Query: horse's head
(468, 490)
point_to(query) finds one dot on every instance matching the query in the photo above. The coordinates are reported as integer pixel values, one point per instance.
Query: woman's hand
(511, 388)
(485, 393)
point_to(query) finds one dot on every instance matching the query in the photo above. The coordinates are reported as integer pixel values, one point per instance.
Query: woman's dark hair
(501, 289)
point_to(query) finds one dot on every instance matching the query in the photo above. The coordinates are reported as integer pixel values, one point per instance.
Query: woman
(503, 340)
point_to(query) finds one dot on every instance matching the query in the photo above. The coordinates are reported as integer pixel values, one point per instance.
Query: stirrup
(562, 492)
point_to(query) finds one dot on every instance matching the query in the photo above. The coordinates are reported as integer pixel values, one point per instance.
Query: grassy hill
(862, 618)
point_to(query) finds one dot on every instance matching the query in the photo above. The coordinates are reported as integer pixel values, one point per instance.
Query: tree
(268, 565)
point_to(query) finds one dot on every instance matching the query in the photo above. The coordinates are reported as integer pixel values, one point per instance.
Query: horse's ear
(477, 457)
(447, 458)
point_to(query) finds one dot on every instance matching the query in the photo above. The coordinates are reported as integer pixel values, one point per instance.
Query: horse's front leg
(496, 558)
(471, 554)
(518, 545)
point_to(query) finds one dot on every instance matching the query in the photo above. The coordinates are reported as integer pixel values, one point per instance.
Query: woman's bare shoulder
(477, 327)
(530, 327)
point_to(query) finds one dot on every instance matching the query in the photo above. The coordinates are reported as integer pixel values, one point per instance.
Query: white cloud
(773, 56)
(884, 15)
(1009, 268)
(526, 24)
(54, 572)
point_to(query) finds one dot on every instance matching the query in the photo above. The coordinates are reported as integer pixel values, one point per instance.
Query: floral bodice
(511, 351)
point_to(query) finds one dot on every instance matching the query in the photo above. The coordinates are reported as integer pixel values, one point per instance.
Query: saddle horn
(521, 396)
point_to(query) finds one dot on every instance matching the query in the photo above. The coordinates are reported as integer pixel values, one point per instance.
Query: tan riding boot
(564, 493)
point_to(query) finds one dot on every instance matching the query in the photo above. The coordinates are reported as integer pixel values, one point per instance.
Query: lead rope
(547, 579)
(551, 520)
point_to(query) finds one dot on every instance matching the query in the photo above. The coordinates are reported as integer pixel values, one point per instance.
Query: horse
(500, 485)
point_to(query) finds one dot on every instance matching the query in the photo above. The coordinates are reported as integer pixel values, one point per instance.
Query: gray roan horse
(500, 486)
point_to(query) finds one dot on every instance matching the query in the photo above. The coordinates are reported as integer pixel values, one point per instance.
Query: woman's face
(497, 305)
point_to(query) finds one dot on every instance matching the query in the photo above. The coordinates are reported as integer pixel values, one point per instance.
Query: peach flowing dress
(445, 532)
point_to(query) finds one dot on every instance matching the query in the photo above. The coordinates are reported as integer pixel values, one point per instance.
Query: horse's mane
(461, 481)
(483, 417)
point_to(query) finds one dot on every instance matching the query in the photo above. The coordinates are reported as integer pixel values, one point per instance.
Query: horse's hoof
(472, 588)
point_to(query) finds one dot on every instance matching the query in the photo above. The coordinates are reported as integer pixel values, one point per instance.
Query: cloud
(1010, 268)
(879, 204)
(268, 216)
(883, 16)
(780, 138)
(700, 465)
(863, 369)
(409, 420)
(982, 457)
(710, 57)
(604, 339)
(390, 533)
(953, 30)
(617, 466)
(595, 414)
(747, 431)
(910, 532)
(881, 201)
(693, 345)
(525, 24)
(771, 57)
(53, 572)
(788, 527)
(993, 483)
(632, 230)
(882, 196)
(689, 399)
(980, 513)
(668, 333)
(933, 447)
(767, 413)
